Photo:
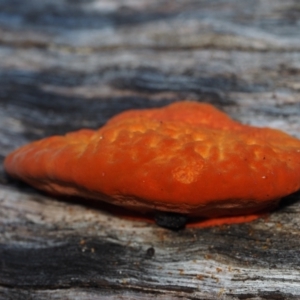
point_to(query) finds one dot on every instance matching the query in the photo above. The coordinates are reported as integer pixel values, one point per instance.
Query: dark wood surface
(65, 65)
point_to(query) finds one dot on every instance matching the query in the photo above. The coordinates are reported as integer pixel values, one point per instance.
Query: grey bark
(65, 65)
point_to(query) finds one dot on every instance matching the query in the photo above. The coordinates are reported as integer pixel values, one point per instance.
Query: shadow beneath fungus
(168, 220)
(18, 185)
(288, 201)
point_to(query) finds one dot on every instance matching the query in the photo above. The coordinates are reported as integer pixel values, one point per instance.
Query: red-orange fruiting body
(187, 158)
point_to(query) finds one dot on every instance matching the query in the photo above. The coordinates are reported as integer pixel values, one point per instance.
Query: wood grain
(65, 65)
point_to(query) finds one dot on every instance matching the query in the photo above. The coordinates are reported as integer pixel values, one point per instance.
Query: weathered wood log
(73, 64)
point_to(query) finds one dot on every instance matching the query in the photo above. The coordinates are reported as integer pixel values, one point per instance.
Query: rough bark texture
(71, 64)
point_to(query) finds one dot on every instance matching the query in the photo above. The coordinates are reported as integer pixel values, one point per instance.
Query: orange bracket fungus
(183, 162)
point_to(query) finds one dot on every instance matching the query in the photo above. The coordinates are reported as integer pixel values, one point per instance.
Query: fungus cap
(187, 158)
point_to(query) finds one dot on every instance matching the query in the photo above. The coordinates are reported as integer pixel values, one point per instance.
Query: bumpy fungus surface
(187, 158)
